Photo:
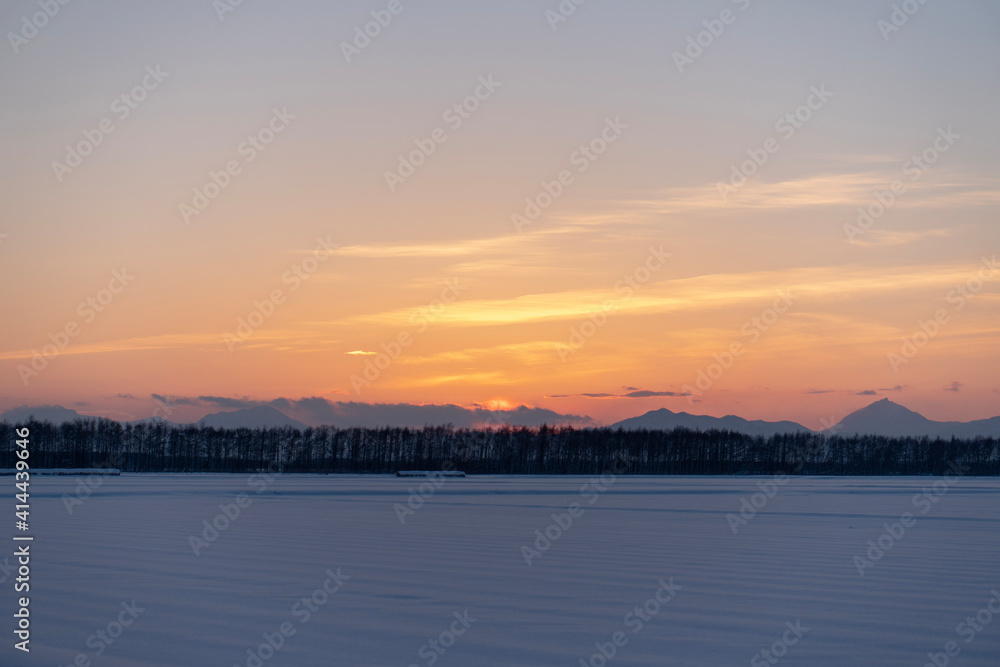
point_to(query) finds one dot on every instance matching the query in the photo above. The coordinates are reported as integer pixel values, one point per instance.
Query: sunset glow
(580, 234)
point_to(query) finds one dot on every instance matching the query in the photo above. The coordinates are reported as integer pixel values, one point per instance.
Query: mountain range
(880, 418)
(254, 417)
(887, 418)
(665, 420)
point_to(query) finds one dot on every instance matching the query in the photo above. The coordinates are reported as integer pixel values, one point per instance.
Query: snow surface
(462, 551)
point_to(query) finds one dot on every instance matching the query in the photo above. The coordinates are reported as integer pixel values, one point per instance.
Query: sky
(782, 210)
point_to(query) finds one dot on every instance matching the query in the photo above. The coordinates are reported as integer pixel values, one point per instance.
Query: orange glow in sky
(671, 218)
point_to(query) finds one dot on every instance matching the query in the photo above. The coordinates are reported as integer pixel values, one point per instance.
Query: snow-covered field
(325, 568)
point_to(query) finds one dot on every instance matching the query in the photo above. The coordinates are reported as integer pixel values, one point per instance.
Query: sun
(498, 404)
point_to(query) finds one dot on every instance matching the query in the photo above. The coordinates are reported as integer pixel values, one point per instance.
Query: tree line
(156, 447)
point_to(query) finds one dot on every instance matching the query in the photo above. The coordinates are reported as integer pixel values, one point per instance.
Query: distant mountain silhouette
(255, 417)
(377, 415)
(880, 418)
(665, 420)
(891, 419)
(56, 414)
(339, 415)
(260, 416)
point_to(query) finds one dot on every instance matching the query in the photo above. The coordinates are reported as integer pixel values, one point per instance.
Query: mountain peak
(885, 406)
(258, 416)
(665, 420)
(883, 417)
(55, 414)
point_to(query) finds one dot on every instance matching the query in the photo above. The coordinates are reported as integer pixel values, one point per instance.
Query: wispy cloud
(637, 393)
(693, 293)
(161, 342)
(829, 189)
(884, 237)
(857, 392)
